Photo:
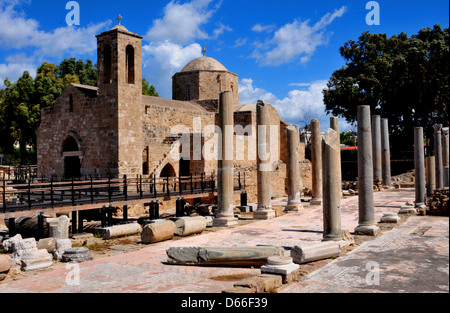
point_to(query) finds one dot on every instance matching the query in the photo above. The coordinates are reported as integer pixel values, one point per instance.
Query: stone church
(114, 130)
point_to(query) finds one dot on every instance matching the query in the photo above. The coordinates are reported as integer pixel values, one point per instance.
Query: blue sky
(283, 51)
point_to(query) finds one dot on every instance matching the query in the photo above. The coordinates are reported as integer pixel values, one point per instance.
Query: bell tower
(119, 63)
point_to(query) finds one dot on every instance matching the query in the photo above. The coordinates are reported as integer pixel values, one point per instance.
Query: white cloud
(182, 23)
(19, 32)
(297, 107)
(248, 94)
(13, 71)
(263, 28)
(173, 40)
(297, 40)
(300, 84)
(161, 60)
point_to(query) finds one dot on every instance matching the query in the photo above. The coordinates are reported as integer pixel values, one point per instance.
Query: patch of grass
(99, 246)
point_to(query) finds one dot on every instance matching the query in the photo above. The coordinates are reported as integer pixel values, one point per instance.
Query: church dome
(204, 64)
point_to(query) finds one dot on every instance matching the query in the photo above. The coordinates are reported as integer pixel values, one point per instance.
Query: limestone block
(59, 227)
(156, 232)
(61, 246)
(261, 283)
(76, 255)
(48, 244)
(325, 250)
(122, 230)
(8, 244)
(22, 248)
(5, 263)
(186, 226)
(36, 260)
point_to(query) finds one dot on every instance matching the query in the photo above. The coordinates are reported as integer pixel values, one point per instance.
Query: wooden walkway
(40, 196)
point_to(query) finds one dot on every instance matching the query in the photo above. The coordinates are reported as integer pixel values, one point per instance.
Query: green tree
(86, 72)
(405, 79)
(21, 113)
(148, 90)
(48, 85)
(21, 102)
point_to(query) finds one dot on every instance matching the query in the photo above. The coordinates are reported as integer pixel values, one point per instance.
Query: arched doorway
(168, 171)
(71, 155)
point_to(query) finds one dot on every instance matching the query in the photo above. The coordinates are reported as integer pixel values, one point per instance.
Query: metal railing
(43, 193)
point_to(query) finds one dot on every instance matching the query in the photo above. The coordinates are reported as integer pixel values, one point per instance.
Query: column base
(366, 230)
(293, 207)
(332, 238)
(279, 265)
(407, 210)
(390, 218)
(420, 205)
(225, 221)
(263, 214)
(316, 201)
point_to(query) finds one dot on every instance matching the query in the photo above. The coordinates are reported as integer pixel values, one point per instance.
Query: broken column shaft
(316, 160)
(445, 150)
(264, 166)
(334, 124)
(331, 186)
(293, 172)
(430, 175)
(365, 174)
(385, 153)
(438, 156)
(419, 165)
(376, 147)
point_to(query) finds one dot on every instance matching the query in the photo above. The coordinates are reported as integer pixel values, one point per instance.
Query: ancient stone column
(445, 155)
(419, 165)
(431, 175)
(293, 171)
(438, 156)
(264, 210)
(365, 174)
(376, 149)
(225, 215)
(334, 124)
(316, 160)
(385, 153)
(331, 149)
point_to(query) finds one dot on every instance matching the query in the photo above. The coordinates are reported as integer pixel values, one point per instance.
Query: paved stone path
(407, 256)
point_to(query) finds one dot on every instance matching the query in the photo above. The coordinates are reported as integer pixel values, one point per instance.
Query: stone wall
(91, 124)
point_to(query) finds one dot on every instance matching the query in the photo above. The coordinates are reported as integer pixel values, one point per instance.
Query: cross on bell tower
(119, 18)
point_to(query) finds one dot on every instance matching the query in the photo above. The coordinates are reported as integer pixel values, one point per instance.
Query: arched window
(70, 145)
(168, 171)
(130, 64)
(107, 64)
(72, 158)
